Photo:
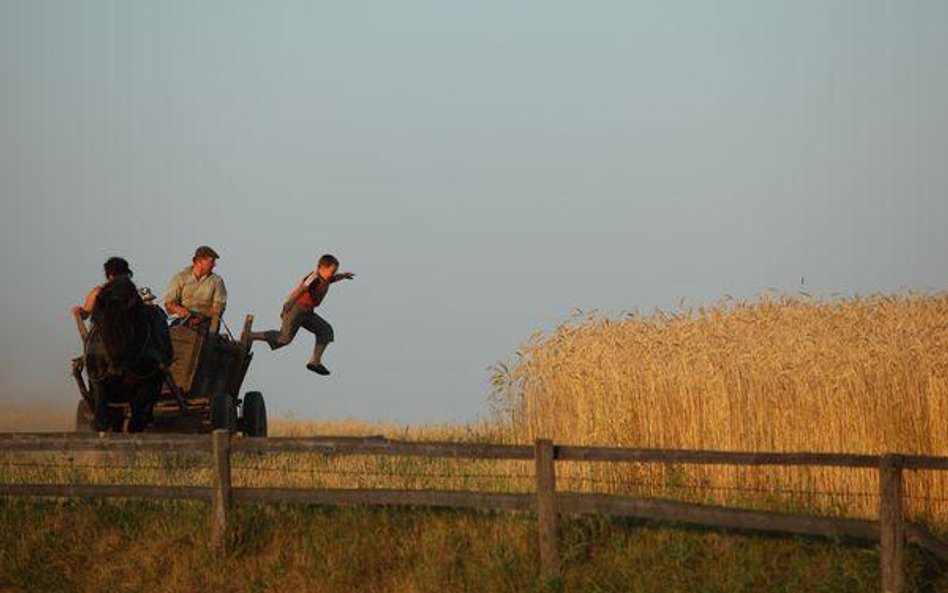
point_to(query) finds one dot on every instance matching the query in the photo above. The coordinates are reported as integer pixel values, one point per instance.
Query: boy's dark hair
(328, 261)
(116, 266)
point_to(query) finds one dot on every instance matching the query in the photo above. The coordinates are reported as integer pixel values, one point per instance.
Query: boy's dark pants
(294, 317)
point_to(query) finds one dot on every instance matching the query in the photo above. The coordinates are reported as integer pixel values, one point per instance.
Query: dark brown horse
(126, 354)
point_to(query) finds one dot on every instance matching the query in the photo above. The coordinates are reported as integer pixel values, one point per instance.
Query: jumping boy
(298, 312)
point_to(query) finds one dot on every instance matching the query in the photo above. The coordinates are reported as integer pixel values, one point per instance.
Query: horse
(126, 354)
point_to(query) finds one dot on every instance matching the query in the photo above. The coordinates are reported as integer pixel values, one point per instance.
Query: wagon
(200, 388)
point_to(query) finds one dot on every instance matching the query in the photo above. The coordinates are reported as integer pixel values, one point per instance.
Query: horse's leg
(137, 422)
(117, 419)
(142, 402)
(100, 419)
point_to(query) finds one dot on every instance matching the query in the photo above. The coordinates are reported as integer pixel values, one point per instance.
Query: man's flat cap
(205, 251)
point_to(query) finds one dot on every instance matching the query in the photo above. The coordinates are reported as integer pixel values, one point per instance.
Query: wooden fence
(891, 530)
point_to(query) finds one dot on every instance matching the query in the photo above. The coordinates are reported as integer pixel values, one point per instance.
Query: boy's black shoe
(319, 369)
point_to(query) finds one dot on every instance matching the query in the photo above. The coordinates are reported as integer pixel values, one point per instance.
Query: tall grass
(860, 375)
(856, 375)
(132, 546)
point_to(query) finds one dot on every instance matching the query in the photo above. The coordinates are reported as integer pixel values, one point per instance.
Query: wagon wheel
(254, 418)
(223, 413)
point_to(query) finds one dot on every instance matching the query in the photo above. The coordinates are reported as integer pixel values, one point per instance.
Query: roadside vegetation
(89, 546)
(865, 375)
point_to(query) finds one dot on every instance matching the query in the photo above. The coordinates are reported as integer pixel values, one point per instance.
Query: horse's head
(119, 319)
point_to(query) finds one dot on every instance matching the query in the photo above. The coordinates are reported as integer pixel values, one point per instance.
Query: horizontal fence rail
(423, 498)
(377, 445)
(106, 491)
(569, 453)
(380, 446)
(891, 530)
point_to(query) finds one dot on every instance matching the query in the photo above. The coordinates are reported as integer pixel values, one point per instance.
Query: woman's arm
(84, 310)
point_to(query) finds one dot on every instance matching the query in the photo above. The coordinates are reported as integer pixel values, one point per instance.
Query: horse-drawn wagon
(197, 392)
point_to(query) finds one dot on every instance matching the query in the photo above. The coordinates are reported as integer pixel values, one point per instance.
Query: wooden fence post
(891, 524)
(546, 508)
(220, 495)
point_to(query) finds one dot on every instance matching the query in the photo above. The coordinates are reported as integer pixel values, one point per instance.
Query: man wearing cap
(196, 291)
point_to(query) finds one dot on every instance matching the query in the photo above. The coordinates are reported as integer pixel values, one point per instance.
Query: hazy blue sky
(484, 167)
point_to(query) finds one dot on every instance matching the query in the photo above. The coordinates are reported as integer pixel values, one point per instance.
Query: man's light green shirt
(197, 295)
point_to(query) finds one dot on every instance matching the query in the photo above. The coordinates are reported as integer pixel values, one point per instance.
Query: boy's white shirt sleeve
(309, 279)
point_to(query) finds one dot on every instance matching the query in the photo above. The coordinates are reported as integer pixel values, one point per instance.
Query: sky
(484, 168)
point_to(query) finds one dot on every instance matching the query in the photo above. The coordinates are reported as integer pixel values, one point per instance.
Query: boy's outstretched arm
(342, 276)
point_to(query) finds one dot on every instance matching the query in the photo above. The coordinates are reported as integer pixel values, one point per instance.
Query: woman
(115, 267)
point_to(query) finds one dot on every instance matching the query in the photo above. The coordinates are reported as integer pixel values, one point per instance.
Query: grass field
(87, 546)
(852, 376)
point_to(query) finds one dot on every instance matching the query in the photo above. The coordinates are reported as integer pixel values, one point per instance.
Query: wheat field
(861, 375)
(785, 374)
